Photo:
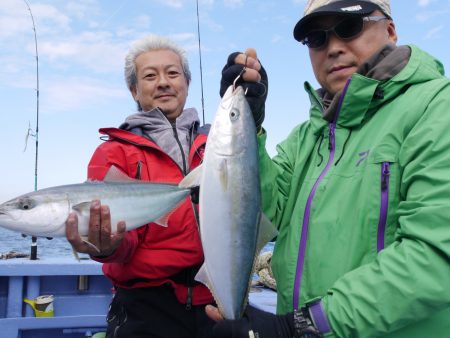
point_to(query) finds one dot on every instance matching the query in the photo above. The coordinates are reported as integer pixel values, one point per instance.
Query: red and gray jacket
(153, 255)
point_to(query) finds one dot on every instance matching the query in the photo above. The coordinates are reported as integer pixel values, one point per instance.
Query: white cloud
(431, 15)
(82, 9)
(276, 38)
(72, 94)
(97, 51)
(172, 3)
(49, 19)
(234, 3)
(142, 22)
(424, 3)
(434, 33)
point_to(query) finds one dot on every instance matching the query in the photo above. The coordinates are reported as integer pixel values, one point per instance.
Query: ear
(392, 33)
(133, 91)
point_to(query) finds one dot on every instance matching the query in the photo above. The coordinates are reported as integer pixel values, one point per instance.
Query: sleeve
(105, 156)
(410, 279)
(276, 174)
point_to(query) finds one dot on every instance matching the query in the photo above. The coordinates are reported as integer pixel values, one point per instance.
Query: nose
(163, 80)
(335, 45)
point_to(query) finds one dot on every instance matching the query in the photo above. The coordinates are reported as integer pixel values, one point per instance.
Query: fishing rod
(201, 69)
(33, 254)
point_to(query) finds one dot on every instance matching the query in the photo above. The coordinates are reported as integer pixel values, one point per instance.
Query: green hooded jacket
(363, 206)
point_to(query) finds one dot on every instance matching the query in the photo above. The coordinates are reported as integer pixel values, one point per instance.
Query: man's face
(160, 82)
(334, 63)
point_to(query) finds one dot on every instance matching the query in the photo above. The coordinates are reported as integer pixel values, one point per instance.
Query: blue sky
(81, 45)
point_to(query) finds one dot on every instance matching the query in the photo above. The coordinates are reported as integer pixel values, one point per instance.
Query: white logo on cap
(351, 8)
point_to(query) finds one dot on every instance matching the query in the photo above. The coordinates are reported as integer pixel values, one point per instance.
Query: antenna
(33, 255)
(201, 69)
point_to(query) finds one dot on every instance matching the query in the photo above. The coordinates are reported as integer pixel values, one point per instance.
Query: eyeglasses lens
(349, 28)
(346, 29)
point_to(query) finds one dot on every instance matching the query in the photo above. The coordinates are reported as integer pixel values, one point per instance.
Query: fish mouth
(4, 212)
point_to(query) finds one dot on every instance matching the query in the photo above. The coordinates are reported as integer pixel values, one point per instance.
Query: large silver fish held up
(43, 213)
(232, 227)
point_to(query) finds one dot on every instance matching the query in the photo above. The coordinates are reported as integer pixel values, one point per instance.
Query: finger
(251, 52)
(213, 313)
(251, 75)
(249, 59)
(73, 235)
(95, 223)
(117, 237)
(105, 227)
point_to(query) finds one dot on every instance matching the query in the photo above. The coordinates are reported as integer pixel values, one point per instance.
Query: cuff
(319, 317)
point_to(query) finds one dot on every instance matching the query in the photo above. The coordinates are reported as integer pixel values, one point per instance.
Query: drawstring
(318, 149)
(343, 147)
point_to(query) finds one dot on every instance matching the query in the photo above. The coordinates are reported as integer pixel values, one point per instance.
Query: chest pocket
(388, 197)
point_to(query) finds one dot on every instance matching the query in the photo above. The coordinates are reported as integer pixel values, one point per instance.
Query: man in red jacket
(152, 268)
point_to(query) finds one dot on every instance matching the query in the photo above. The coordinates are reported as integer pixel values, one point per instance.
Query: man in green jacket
(361, 191)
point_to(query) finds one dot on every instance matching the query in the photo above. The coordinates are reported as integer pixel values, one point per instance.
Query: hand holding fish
(261, 324)
(100, 241)
(251, 75)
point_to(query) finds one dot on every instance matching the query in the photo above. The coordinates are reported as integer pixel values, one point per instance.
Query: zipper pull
(189, 298)
(331, 136)
(385, 175)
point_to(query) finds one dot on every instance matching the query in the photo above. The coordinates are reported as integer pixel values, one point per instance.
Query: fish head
(35, 215)
(233, 120)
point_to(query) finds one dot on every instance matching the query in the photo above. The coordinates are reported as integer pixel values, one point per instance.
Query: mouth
(339, 68)
(164, 96)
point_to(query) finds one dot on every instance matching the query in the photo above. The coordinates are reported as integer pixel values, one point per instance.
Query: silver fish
(232, 227)
(43, 213)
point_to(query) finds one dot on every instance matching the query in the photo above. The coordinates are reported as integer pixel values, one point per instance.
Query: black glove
(267, 325)
(256, 91)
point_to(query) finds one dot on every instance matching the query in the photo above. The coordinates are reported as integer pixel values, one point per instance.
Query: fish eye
(234, 115)
(26, 204)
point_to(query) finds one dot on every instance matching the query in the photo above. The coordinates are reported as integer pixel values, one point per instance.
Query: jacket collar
(364, 93)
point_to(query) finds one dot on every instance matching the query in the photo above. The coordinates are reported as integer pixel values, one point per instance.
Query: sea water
(14, 241)
(56, 247)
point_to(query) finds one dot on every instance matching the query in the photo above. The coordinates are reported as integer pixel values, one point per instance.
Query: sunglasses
(347, 29)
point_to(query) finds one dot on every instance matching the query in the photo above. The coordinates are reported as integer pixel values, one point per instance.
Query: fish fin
(192, 179)
(85, 240)
(222, 167)
(202, 276)
(114, 174)
(83, 208)
(164, 220)
(267, 232)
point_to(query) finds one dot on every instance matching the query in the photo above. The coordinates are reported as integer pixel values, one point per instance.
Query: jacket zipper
(175, 135)
(307, 213)
(385, 172)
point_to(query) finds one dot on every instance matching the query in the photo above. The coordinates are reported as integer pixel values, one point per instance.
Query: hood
(154, 126)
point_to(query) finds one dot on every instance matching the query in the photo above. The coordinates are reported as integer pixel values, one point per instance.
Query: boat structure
(80, 298)
(79, 293)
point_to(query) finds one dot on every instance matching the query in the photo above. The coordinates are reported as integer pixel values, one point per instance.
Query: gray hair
(147, 44)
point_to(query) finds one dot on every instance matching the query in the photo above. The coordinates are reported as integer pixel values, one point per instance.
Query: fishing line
(201, 69)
